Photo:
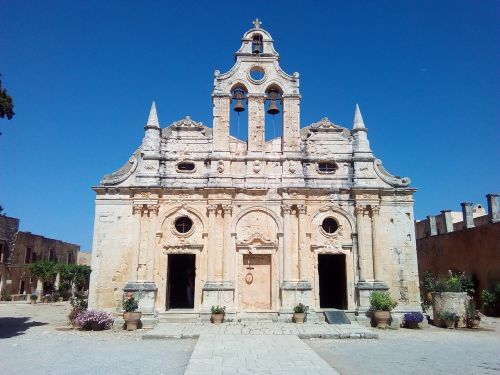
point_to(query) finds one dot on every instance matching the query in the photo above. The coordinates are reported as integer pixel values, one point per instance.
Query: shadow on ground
(10, 327)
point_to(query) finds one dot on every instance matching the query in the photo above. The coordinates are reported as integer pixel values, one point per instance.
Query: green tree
(44, 271)
(6, 104)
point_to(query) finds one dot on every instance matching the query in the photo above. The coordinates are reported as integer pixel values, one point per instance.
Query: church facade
(198, 217)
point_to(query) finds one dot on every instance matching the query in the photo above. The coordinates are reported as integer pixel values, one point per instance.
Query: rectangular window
(28, 256)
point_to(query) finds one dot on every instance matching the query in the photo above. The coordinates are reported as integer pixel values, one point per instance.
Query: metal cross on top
(257, 23)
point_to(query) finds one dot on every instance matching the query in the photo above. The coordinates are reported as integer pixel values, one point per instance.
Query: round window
(257, 73)
(329, 225)
(183, 224)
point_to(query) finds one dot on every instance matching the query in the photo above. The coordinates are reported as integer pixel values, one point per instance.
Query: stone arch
(328, 210)
(165, 215)
(265, 210)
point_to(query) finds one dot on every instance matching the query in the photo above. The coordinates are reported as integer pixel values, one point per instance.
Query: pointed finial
(153, 117)
(257, 23)
(358, 119)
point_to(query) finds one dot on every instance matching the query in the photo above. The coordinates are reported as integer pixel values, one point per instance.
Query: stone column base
(217, 293)
(293, 293)
(145, 293)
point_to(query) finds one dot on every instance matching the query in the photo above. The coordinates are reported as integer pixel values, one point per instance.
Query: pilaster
(290, 140)
(256, 123)
(221, 108)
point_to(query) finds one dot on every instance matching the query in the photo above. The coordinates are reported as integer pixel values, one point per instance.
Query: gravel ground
(423, 351)
(30, 343)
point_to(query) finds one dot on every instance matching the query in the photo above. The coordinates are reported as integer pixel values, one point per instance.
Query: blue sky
(83, 75)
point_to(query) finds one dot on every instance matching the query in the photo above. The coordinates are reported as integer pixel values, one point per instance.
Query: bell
(273, 108)
(256, 48)
(238, 107)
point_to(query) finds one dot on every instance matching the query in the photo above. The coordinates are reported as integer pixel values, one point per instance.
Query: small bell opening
(273, 107)
(238, 124)
(257, 45)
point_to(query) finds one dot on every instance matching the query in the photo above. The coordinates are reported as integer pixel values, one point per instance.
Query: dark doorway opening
(181, 278)
(332, 281)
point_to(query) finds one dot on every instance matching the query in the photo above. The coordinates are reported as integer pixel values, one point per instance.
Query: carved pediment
(326, 126)
(188, 124)
(256, 239)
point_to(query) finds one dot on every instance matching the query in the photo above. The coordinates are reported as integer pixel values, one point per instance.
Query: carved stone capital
(360, 209)
(375, 210)
(212, 209)
(286, 208)
(153, 208)
(227, 209)
(137, 209)
(302, 208)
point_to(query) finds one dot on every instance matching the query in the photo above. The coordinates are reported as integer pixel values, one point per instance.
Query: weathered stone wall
(475, 251)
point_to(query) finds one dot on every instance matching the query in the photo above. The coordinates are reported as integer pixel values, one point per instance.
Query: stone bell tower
(256, 78)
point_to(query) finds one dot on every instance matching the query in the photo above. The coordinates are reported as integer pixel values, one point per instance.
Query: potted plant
(131, 316)
(218, 314)
(382, 304)
(473, 318)
(411, 320)
(299, 313)
(450, 319)
(33, 298)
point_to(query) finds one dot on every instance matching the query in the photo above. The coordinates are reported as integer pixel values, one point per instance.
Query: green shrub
(130, 303)
(449, 315)
(300, 309)
(5, 296)
(218, 309)
(448, 283)
(382, 301)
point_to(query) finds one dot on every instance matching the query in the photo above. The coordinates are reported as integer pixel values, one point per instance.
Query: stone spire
(153, 118)
(358, 119)
(359, 134)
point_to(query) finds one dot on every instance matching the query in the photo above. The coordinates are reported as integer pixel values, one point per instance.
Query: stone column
(448, 221)
(143, 246)
(290, 140)
(467, 215)
(376, 246)
(493, 208)
(152, 219)
(137, 214)
(221, 108)
(256, 122)
(364, 244)
(432, 225)
(39, 287)
(228, 251)
(303, 264)
(286, 242)
(212, 215)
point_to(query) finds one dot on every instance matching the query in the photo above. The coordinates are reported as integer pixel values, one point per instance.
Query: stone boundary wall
(475, 251)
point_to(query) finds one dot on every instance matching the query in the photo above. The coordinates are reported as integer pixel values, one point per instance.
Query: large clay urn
(132, 319)
(382, 318)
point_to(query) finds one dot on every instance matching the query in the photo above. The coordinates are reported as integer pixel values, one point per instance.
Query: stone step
(178, 317)
(258, 317)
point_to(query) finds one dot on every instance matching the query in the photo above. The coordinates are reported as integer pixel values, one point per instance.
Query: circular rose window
(329, 225)
(183, 224)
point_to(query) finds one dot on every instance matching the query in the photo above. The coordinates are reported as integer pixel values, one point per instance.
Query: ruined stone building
(467, 241)
(199, 217)
(18, 249)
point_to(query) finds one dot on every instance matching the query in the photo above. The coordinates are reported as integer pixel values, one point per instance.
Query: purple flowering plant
(94, 320)
(413, 317)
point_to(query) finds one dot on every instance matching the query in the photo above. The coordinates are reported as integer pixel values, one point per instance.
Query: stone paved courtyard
(31, 341)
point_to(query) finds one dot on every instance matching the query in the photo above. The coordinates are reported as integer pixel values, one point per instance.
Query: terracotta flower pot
(132, 319)
(411, 325)
(33, 301)
(299, 317)
(450, 324)
(382, 318)
(473, 323)
(217, 318)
